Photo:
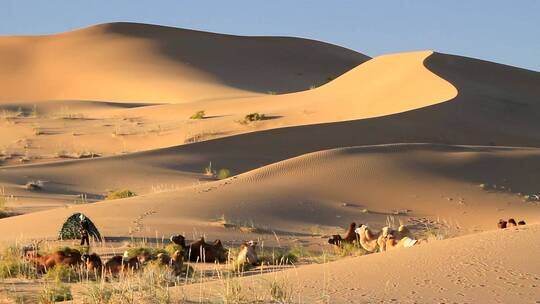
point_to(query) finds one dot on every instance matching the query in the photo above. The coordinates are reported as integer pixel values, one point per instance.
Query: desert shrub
(223, 173)
(98, 293)
(149, 251)
(34, 185)
(279, 257)
(13, 265)
(281, 292)
(198, 115)
(171, 248)
(254, 117)
(125, 193)
(55, 293)
(62, 273)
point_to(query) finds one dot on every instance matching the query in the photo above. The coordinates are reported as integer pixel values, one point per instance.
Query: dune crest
(149, 63)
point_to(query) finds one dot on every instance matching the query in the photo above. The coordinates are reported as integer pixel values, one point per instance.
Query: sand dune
(299, 194)
(407, 138)
(147, 63)
(490, 267)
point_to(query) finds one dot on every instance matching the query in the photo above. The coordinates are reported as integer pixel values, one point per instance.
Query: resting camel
(179, 240)
(204, 252)
(247, 253)
(390, 239)
(70, 257)
(511, 223)
(368, 240)
(93, 262)
(176, 262)
(350, 237)
(390, 243)
(121, 264)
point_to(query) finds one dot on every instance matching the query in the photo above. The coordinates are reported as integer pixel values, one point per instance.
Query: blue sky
(502, 31)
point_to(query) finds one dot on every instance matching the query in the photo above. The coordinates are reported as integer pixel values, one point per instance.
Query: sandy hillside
(445, 144)
(308, 193)
(130, 62)
(490, 267)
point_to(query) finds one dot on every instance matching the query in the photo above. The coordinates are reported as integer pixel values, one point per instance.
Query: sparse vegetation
(35, 185)
(209, 171)
(119, 194)
(223, 173)
(12, 265)
(55, 293)
(254, 117)
(62, 273)
(198, 115)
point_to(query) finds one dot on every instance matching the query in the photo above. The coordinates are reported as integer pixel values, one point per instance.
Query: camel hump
(408, 242)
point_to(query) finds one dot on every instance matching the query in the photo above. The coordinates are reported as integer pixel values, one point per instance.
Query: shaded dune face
(139, 62)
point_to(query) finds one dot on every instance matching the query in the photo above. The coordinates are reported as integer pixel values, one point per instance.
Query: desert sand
(434, 141)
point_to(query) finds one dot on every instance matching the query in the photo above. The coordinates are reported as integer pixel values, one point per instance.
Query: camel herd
(201, 251)
(386, 239)
(197, 251)
(510, 223)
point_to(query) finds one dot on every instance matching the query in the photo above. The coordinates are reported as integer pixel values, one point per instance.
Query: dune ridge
(131, 62)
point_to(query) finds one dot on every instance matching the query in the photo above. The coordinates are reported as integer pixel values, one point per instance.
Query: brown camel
(501, 224)
(511, 223)
(520, 223)
(247, 253)
(350, 237)
(43, 263)
(93, 262)
(121, 264)
(175, 263)
(204, 252)
(179, 240)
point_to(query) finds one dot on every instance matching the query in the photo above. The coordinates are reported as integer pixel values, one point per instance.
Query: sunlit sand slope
(149, 63)
(328, 189)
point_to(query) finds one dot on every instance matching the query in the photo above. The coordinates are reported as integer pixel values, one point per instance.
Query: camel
(368, 240)
(176, 262)
(511, 223)
(93, 262)
(389, 239)
(248, 253)
(350, 237)
(392, 243)
(121, 264)
(204, 252)
(70, 257)
(179, 240)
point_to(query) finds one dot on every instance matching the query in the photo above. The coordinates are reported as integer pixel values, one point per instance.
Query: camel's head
(179, 240)
(335, 240)
(386, 231)
(249, 250)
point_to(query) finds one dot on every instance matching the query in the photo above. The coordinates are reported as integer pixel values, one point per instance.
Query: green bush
(198, 115)
(223, 173)
(62, 273)
(254, 117)
(12, 265)
(171, 248)
(120, 194)
(55, 293)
